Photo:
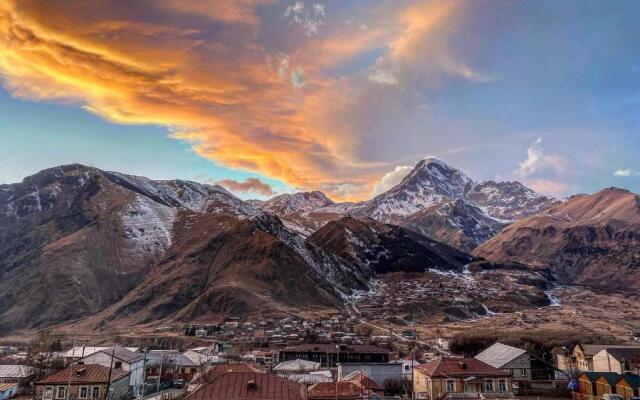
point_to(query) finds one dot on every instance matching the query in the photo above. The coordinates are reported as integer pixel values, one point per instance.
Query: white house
(120, 358)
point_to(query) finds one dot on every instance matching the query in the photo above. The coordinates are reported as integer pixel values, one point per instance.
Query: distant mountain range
(78, 242)
(434, 199)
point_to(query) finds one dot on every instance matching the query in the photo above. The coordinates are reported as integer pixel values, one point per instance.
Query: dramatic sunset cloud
(332, 96)
(212, 82)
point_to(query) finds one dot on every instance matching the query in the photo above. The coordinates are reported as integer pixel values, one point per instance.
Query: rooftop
(248, 385)
(91, 373)
(459, 367)
(16, 371)
(498, 354)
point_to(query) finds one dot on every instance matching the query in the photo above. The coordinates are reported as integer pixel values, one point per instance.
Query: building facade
(453, 377)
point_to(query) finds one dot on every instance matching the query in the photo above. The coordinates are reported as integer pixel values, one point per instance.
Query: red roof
(331, 348)
(459, 367)
(248, 386)
(327, 390)
(89, 373)
(221, 369)
(362, 379)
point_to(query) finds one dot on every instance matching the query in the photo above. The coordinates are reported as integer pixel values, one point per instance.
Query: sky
(267, 97)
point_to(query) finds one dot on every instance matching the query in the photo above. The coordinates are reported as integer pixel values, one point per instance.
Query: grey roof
(498, 354)
(123, 354)
(169, 358)
(16, 371)
(297, 365)
(84, 351)
(592, 349)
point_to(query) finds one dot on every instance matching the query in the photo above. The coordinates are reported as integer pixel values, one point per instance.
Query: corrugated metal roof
(236, 386)
(221, 369)
(84, 351)
(327, 390)
(498, 354)
(155, 358)
(459, 367)
(16, 371)
(309, 378)
(297, 365)
(91, 373)
(123, 354)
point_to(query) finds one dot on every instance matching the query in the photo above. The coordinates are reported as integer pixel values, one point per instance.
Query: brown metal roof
(331, 348)
(327, 390)
(459, 367)
(248, 386)
(83, 374)
(221, 369)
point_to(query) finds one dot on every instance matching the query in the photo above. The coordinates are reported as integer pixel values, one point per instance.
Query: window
(83, 393)
(95, 394)
(488, 385)
(61, 392)
(117, 365)
(502, 385)
(451, 386)
(523, 372)
(47, 393)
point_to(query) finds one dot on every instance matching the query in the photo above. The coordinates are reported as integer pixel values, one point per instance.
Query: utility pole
(160, 373)
(106, 392)
(73, 354)
(337, 368)
(144, 372)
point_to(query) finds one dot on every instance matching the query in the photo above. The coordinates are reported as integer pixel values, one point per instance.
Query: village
(332, 358)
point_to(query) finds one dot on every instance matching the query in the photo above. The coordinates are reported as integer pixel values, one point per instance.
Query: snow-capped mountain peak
(294, 202)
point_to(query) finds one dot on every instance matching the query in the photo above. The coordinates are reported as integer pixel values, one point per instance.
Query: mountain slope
(382, 248)
(592, 240)
(220, 266)
(74, 239)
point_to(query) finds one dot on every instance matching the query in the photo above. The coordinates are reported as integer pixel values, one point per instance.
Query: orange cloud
(249, 185)
(201, 71)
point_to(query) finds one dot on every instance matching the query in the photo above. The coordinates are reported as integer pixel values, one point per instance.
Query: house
(84, 382)
(617, 359)
(606, 383)
(248, 385)
(628, 386)
(79, 352)
(8, 390)
(456, 377)
(587, 384)
(379, 373)
(583, 354)
(345, 390)
(329, 355)
(170, 365)
(22, 375)
(119, 358)
(513, 360)
(518, 362)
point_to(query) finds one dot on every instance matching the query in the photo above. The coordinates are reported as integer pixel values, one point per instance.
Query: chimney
(81, 371)
(251, 384)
